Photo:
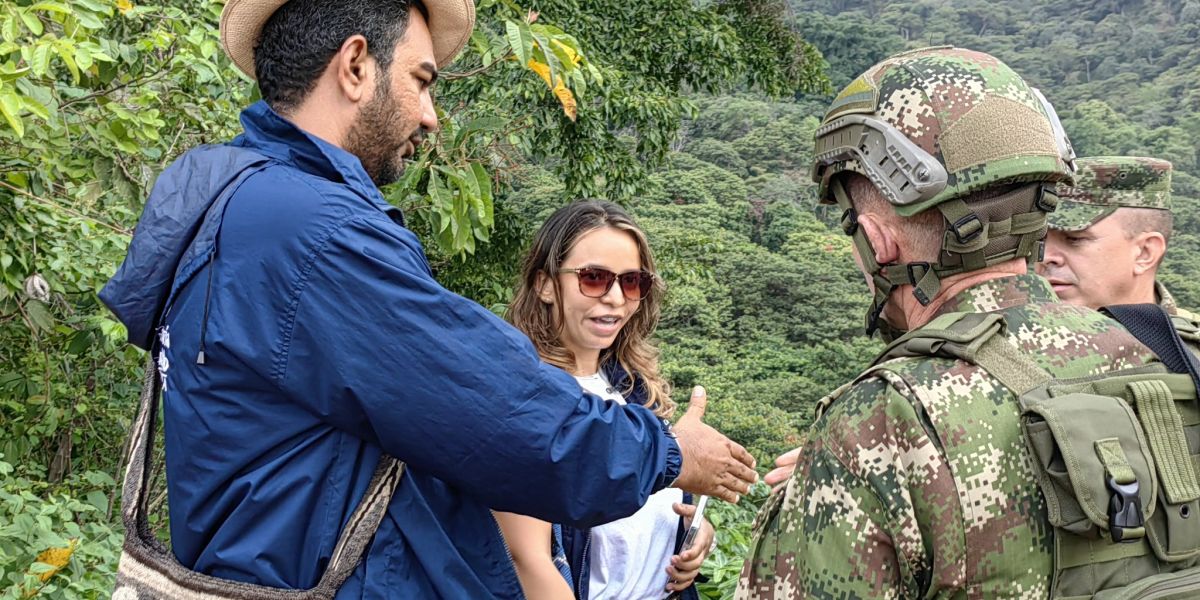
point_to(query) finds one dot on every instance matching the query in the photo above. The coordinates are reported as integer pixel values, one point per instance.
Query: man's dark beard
(373, 137)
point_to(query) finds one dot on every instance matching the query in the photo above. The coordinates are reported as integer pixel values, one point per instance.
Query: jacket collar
(998, 294)
(274, 136)
(619, 378)
(1164, 299)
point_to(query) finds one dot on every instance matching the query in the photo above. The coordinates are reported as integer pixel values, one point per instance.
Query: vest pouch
(1092, 461)
(1166, 408)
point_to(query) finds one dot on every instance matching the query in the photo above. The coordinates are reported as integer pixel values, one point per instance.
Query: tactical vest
(1116, 457)
(1187, 325)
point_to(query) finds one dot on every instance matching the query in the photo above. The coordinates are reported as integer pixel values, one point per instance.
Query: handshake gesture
(713, 465)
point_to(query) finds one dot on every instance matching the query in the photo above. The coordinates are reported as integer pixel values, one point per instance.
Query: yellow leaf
(541, 69)
(566, 98)
(560, 89)
(57, 558)
(124, 6)
(569, 51)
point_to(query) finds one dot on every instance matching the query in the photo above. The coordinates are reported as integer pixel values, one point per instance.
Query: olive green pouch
(1165, 407)
(1084, 445)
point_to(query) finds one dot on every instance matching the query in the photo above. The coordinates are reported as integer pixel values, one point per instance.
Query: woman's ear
(545, 288)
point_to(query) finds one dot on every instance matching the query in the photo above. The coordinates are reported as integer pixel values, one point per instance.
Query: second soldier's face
(1093, 267)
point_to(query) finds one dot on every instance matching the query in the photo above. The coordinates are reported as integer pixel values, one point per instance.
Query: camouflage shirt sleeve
(872, 503)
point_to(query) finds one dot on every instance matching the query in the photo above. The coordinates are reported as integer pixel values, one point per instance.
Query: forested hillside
(697, 115)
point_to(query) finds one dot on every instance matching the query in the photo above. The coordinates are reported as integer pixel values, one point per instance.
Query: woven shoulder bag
(149, 571)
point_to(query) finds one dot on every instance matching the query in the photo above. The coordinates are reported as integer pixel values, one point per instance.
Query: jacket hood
(162, 246)
(159, 260)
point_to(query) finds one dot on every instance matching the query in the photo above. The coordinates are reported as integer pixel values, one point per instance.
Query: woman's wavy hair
(543, 323)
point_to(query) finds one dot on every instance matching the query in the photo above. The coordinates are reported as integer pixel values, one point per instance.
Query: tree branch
(476, 71)
(135, 81)
(69, 211)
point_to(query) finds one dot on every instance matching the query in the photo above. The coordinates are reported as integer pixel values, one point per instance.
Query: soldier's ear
(883, 235)
(1150, 247)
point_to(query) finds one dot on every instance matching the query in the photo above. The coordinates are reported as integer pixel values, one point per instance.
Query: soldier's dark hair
(300, 39)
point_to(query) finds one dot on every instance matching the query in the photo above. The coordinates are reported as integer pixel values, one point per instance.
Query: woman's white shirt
(629, 556)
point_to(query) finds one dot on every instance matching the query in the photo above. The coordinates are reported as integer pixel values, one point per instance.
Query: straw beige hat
(450, 25)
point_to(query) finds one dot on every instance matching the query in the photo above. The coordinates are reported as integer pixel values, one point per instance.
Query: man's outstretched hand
(713, 464)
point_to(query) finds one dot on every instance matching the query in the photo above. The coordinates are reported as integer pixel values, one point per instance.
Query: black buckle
(1124, 510)
(958, 226)
(919, 294)
(849, 221)
(1044, 205)
(912, 276)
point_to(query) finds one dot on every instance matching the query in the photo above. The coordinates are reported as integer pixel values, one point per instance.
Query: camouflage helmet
(930, 128)
(1105, 183)
(934, 124)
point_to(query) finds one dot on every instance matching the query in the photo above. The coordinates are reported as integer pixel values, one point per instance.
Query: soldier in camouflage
(1110, 234)
(914, 481)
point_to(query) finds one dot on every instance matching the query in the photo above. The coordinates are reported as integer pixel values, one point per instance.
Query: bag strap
(352, 543)
(1152, 326)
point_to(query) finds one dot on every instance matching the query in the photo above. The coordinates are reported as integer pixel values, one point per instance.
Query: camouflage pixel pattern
(1105, 183)
(916, 482)
(967, 109)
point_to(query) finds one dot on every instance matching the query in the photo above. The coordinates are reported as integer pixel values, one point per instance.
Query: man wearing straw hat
(301, 337)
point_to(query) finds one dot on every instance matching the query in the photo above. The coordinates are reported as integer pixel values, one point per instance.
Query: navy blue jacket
(326, 342)
(577, 541)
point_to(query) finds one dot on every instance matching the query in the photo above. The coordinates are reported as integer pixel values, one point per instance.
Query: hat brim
(450, 24)
(1077, 216)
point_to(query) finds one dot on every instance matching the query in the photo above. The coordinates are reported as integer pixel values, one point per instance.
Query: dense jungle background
(696, 114)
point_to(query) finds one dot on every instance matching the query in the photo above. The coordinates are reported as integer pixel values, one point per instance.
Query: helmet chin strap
(989, 232)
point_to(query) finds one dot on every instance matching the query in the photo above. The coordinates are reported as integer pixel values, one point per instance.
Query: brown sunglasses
(595, 282)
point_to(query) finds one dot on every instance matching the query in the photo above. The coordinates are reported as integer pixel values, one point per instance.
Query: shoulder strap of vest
(1151, 325)
(976, 338)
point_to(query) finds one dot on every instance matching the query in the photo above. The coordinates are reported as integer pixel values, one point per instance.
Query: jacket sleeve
(378, 348)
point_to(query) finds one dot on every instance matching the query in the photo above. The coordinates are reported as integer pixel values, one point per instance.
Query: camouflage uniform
(1186, 322)
(916, 483)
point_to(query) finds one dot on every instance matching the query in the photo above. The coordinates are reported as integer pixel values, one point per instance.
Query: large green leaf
(31, 21)
(10, 107)
(520, 40)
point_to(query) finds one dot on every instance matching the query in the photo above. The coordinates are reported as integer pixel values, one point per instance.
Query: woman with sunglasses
(589, 300)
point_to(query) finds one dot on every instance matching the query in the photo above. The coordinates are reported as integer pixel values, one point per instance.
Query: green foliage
(56, 542)
(731, 522)
(107, 96)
